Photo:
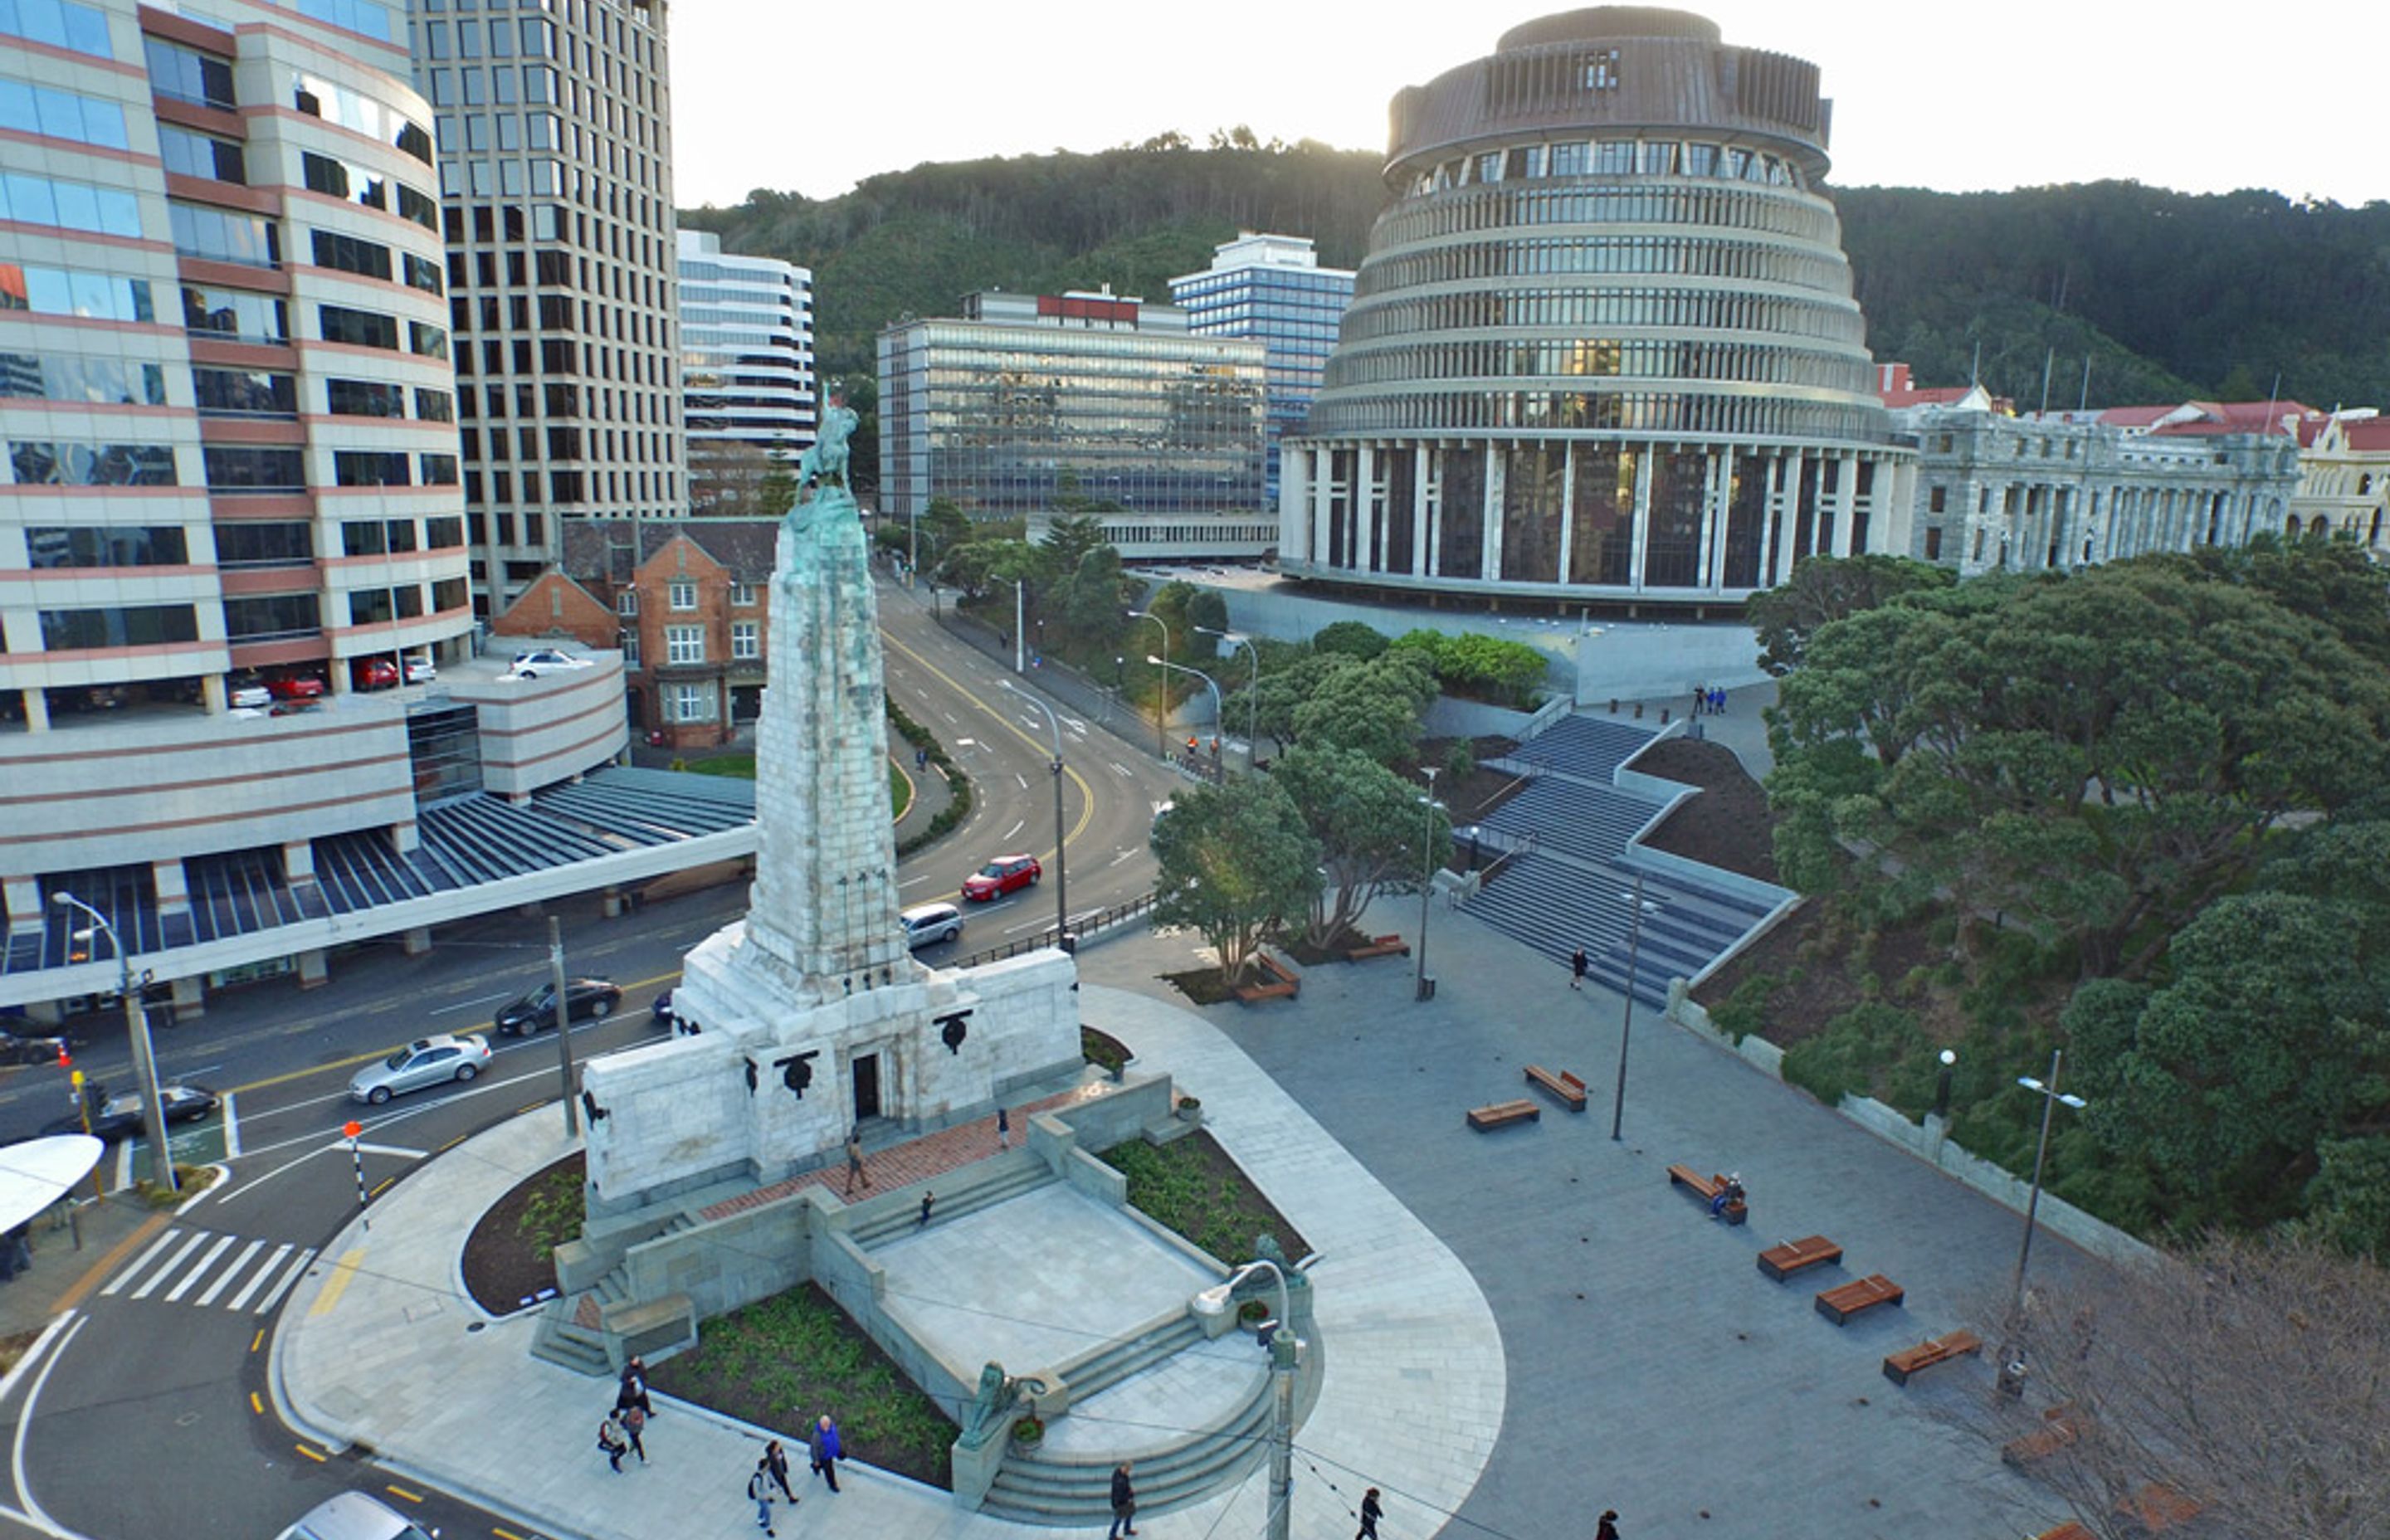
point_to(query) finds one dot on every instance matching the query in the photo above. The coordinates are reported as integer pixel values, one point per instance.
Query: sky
(811, 96)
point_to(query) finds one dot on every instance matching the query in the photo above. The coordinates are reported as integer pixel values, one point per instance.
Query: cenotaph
(813, 1015)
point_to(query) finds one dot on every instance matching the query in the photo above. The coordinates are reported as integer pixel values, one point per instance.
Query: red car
(294, 686)
(1004, 874)
(373, 674)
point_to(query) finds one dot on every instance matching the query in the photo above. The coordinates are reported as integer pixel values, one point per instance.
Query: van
(932, 923)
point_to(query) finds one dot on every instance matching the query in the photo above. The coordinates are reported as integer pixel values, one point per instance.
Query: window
(364, 398)
(245, 394)
(242, 469)
(264, 545)
(683, 644)
(63, 24)
(443, 532)
(217, 235)
(189, 75)
(358, 328)
(68, 205)
(742, 595)
(369, 606)
(431, 341)
(367, 115)
(434, 405)
(66, 463)
(47, 111)
(1933, 543)
(424, 274)
(627, 603)
(348, 254)
(189, 154)
(448, 594)
(683, 595)
(107, 545)
(65, 291)
(357, 467)
(628, 640)
(139, 625)
(82, 377)
(746, 639)
(436, 471)
(235, 313)
(1937, 500)
(688, 703)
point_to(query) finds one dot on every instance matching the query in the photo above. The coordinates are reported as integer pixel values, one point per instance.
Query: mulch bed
(1201, 985)
(1728, 825)
(1196, 1188)
(502, 1270)
(1102, 1049)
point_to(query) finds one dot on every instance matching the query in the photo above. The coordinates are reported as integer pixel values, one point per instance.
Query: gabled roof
(612, 550)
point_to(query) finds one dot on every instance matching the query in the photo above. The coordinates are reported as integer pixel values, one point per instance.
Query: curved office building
(1603, 347)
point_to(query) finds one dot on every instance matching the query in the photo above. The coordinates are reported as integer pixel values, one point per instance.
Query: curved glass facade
(1604, 338)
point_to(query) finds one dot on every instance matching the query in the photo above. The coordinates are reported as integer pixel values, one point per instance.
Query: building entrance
(865, 1072)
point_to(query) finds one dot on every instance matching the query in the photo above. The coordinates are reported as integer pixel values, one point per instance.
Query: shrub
(1744, 1012)
(1864, 1047)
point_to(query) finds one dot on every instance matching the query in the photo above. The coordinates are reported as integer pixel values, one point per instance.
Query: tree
(1353, 638)
(1280, 693)
(1373, 709)
(1090, 601)
(1825, 588)
(1372, 830)
(1068, 542)
(1235, 861)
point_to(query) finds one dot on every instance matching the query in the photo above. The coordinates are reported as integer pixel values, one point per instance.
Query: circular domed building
(1603, 347)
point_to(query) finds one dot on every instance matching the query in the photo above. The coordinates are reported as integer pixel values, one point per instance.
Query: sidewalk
(62, 1272)
(379, 1345)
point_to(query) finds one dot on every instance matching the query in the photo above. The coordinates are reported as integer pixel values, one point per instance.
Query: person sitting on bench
(1729, 1193)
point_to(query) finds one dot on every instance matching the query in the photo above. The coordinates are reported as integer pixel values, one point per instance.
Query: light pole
(2052, 1096)
(1626, 1028)
(1422, 988)
(912, 545)
(1169, 668)
(1253, 687)
(1061, 868)
(1942, 1086)
(563, 1024)
(137, 1026)
(1286, 1354)
(1162, 690)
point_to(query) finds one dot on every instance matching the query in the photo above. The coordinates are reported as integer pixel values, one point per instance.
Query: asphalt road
(149, 1412)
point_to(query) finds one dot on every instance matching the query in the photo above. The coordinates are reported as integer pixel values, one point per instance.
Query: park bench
(1284, 984)
(1781, 1262)
(1497, 1115)
(2157, 1508)
(1898, 1367)
(1706, 1190)
(1839, 1306)
(2059, 1426)
(1379, 946)
(1564, 1085)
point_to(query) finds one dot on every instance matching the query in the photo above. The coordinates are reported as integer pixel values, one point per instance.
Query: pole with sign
(354, 1129)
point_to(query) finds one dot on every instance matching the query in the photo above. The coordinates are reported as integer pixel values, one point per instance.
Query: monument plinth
(813, 1014)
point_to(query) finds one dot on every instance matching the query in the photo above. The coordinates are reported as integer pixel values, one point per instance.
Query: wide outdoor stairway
(568, 1332)
(968, 1190)
(1572, 881)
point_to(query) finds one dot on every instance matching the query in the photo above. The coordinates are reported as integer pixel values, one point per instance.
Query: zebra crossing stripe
(290, 1277)
(121, 1279)
(232, 1271)
(162, 1273)
(199, 1269)
(257, 1279)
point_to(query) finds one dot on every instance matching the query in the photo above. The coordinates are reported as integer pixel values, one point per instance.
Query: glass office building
(1027, 398)
(1603, 346)
(1272, 287)
(746, 370)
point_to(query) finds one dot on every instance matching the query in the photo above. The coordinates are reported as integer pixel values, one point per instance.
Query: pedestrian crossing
(229, 1272)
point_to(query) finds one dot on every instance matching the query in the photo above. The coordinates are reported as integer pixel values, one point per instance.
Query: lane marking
(231, 1127)
(199, 1269)
(467, 1005)
(1121, 857)
(232, 1271)
(1087, 793)
(162, 1273)
(343, 1272)
(259, 1341)
(157, 1222)
(401, 1492)
(290, 1277)
(1122, 771)
(309, 1453)
(1017, 825)
(24, 1425)
(264, 1272)
(400, 1151)
(381, 1185)
(256, 1407)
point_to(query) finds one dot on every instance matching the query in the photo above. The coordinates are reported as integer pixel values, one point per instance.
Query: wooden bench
(1706, 1190)
(1839, 1306)
(1898, 1367)
(1497, 1115)
(2157, 1508)
(1379, 946)
(1564, 1085)
(2059, 1426)
(1781, 1262)
(1284, 984)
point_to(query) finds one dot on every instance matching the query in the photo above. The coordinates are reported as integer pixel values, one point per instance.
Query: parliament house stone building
(1603, 348)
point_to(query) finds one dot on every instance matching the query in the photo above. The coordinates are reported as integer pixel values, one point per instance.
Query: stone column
(173, 894)
(1497, 478)
(1422, 553)
(1568, 506)
(1367, 506)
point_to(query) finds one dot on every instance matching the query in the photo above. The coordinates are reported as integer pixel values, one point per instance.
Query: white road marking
(224, 1280)
(400, 1151)
(290, 1277)
(1122, 857)
(143, 1261)
(264, 1271)
(915, 881)
(172, 1262)
(949, 715)
(467, 1005)
(1022, 779)
(232, 1128)
(1121, 770)
(1017, 827)
(124, 1165)
(199, 1269)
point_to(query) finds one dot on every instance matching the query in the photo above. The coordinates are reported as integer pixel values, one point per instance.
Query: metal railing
(1085, 927)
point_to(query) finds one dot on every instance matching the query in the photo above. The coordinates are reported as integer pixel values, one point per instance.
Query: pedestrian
(854, 1161)
(1701, 697)
(611, 1444)
(1003, 1129)
(1608, 1529)
(827, 1450)
(927, 1198)
(759, 1491)
(1371, 1514)
(634, 1389)
(1717, 702)
(634, 1421)
(1576, 969)
(776, 1461)
(1124, 1503)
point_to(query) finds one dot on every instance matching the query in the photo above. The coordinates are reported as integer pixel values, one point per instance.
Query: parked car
(373, 674)
(1004, 874)
(929, 924)
(421, 669)
(17, 1048)
(355, 1515)
(114, 1117)
(585, 1000)
(545, 660)
(440, 1060)
(246, 692)
(294, 686)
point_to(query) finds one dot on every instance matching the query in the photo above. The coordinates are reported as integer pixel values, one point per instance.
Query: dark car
(585, 1000)
(17, 1048)
(114, 1117)
(1004, 874)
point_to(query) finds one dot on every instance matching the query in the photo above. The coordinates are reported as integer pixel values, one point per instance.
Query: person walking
(1717, 702)
(854, 1161)
(634, 1389)
(759, 1492)
(927, 1198)
(1608, 1529)
(1577, 966)
(635, 1423)
(827, 1450)
(611, 1444)
(1701, 697)
(776, 1461)
(1124, 1503)
(1371, 1514)
(1003, 1129)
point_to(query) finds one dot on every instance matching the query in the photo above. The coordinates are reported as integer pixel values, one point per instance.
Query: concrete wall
(536, 732)
(1449, 716)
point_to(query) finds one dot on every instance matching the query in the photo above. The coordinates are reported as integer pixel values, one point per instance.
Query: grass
(780, 1363)
(553, 1215)
(1193, 1188)
(742, 768)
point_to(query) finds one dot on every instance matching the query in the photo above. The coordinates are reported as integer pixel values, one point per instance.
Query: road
(150, 1403)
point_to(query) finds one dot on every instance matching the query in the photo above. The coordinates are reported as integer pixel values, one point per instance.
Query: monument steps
(1100, 1371)
(1062, 1490)
(577, 1348)
(965, 1190)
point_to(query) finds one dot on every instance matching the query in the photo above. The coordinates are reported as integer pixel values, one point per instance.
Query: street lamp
(1252, 686)
(1942, 1086)
(1161, 692)
(2051, 1098)
(137, 1026)
(1286, 1352)
(1061, 868)
(1169, 668)
(1422, 988)
(1626, 1028)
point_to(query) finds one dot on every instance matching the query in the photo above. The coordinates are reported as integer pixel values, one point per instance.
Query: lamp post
(1252, 686)
(1286, 1354)
(137, 1026)
(563, 1025)
(2051, 1098)
(1942, 1086)
(1627, 1027)
(1169, 668)
(1422, 989)
(1061, 866)
(1161, 692)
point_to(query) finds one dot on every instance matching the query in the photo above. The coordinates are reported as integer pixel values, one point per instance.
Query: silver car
(929, 924)
(425, 1061)
(355, 1515)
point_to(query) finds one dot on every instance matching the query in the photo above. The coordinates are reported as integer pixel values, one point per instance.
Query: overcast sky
(812, 95)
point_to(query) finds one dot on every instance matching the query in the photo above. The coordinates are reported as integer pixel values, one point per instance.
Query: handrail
(1082, 927)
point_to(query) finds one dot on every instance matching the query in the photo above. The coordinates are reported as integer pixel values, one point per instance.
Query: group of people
(623, 1430)
(1708, 700)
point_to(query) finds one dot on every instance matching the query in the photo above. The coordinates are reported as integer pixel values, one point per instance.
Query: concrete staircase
(981, 1184)
(570, 1333)
(1074, 1491)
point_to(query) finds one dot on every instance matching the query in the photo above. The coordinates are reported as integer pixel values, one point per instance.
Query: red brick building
(685, 601)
